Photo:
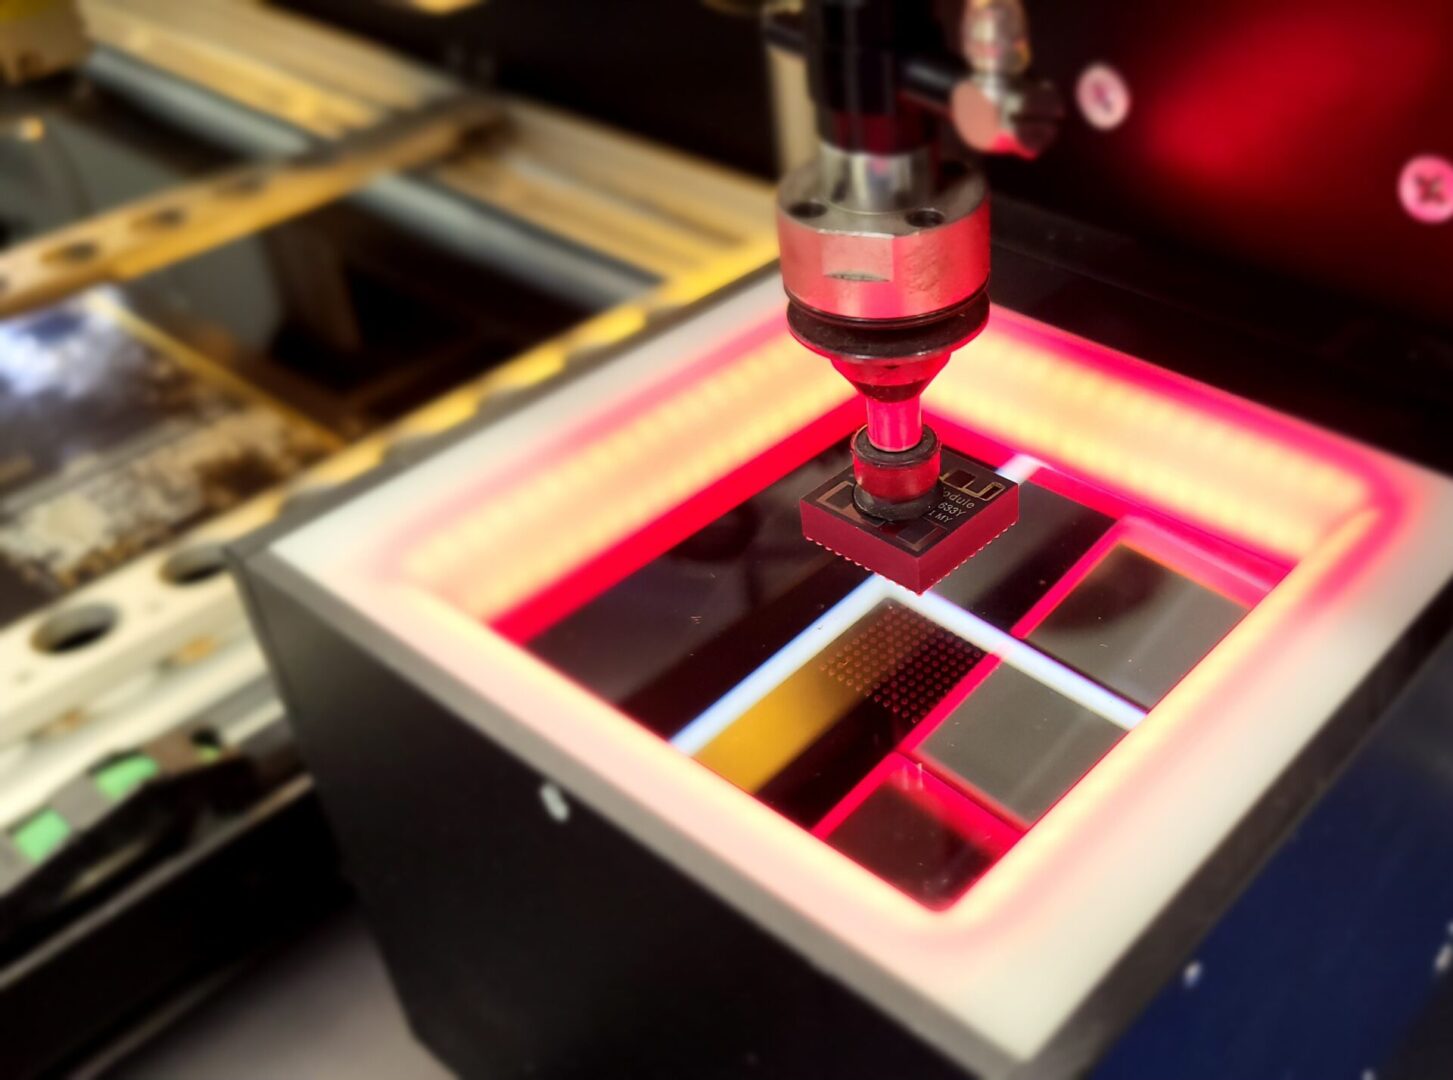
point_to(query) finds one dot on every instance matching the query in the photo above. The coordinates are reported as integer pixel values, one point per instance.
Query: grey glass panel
(1008, 577)
(911, 847)
(1019, 743)
(1136, 626)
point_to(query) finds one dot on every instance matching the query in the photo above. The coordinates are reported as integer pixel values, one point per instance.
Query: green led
(41, 835)
(207, 746)
(124, 775)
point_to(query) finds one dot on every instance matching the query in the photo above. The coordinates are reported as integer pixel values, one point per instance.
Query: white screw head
(1103, 96)
(1425, 188)
(1191, 976)
(1443, 960)
(555, 803)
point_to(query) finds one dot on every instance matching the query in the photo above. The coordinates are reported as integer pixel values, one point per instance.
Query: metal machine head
(884, 236)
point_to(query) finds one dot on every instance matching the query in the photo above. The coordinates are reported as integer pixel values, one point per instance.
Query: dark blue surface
(1320, 968)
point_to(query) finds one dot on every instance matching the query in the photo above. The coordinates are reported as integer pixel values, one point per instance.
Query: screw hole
(73, 254)
(556, 805)
(75, 628)
(807, 209)
(242, 186)
(924, 219)
(168, 217)
(208, 745)
(193, 565)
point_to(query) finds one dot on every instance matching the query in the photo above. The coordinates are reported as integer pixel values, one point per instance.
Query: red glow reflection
(1197, 466)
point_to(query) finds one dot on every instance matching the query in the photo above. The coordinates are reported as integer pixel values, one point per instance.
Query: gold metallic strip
(766, 738)
(160, 230)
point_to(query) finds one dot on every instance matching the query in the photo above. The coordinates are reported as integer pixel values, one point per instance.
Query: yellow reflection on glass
(769, 735)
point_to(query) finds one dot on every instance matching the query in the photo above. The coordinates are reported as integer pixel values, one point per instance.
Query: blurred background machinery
(40, 38)
(247, 255)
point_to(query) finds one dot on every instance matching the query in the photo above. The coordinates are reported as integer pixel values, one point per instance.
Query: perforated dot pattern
(901, 660)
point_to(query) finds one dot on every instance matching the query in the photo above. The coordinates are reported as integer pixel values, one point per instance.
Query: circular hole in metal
(74, 628)
(208, 744)
(924, 219)
(241, 186)
(193, 565)
(807, 209)
(73, 254)
(168, 217)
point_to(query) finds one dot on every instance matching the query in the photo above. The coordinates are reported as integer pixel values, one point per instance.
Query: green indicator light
(207, 746)
(41, 835)
(124, 775)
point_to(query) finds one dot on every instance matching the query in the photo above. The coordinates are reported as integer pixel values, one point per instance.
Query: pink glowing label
(1426, 189)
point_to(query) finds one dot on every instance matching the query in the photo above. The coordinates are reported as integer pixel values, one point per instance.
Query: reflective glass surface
(919, 735)
(920, 834)
(1018, 744)
(1136, 625)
